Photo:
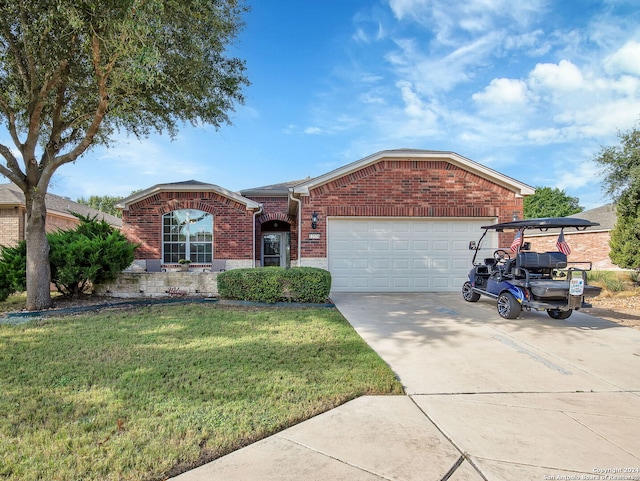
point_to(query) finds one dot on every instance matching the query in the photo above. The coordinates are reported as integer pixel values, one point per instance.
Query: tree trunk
(38, 268)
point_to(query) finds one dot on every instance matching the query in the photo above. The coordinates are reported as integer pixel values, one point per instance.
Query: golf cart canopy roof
(542, 224)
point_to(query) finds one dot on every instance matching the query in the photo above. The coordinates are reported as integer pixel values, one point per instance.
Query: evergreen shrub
(275, 284)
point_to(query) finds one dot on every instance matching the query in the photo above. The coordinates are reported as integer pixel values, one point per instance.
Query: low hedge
(275, 284)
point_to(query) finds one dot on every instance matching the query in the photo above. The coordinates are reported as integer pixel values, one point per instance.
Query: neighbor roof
(414, 154)
(604, 215)
(186, 186)
(11, 195)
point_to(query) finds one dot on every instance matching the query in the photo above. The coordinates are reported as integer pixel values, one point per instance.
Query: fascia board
(125, 203)
(519, 188)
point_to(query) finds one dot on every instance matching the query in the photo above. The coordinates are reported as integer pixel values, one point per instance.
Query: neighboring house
(396, 220)
(59, 214)
(590, 245)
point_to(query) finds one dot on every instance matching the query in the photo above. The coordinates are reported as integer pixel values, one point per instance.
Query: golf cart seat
(539, 264)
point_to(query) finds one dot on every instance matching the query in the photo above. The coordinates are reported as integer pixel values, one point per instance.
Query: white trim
(139, 196)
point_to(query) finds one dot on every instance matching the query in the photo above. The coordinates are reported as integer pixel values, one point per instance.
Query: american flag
(562, 245)
(516, 242)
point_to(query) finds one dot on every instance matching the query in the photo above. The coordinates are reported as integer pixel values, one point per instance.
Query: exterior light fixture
(314, 220)
(514, 215)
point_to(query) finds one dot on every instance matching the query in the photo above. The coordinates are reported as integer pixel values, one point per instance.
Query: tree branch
(102, 75)
(12, 170)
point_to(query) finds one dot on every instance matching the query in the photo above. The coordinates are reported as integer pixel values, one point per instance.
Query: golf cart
(518, 279)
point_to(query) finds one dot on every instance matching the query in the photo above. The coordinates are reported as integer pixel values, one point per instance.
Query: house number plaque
(314, 235)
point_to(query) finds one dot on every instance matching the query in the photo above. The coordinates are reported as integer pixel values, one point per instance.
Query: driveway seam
(463, 455)
(326, 455)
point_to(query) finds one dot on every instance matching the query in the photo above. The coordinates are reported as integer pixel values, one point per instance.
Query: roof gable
(519, 188)
(186, 186)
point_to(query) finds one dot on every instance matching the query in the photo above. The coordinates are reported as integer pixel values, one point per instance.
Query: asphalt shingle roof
(10, 194)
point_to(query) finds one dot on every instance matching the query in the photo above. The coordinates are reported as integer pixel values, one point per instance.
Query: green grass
(143, 394)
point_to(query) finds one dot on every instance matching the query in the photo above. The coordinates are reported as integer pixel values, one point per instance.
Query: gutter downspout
(253, 249)
(299, 224)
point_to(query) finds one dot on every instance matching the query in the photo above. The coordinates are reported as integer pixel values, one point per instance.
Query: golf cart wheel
(508, 306)
(468, 294)
(558, 314)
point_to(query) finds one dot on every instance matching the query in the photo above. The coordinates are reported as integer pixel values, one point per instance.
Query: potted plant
(184, 263)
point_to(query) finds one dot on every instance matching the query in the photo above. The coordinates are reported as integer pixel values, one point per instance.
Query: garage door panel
(361, 264)
(400, 255)
(461, 264)
(382, 264)
(441, 245)
(381, 245)
(401, 245)
(420, 245)
(401, 264)
(421, 264)
(360, 245)
(460, 245)
(422, 283)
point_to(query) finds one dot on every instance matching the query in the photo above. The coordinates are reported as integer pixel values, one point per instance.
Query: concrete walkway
(489, 399)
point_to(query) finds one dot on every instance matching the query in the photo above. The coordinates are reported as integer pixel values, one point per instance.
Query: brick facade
(585, 247)
(232, 223)
(394, 188)
(415, 184)
(56, 222)
(11, 226)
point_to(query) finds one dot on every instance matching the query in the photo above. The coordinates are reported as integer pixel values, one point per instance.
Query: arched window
(187, 234)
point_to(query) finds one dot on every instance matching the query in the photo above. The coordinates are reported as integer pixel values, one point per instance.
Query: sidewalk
(372, 438)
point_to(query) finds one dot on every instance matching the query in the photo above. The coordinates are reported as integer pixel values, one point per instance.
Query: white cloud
(449, 19)
(562, 76)
(578, 176)
(503, 91)
(625, 60)
(430, 73)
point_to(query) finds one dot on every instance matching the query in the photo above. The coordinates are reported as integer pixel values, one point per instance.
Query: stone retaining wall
(161, 284)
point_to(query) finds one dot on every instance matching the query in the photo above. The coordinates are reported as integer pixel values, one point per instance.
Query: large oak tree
(74, 72)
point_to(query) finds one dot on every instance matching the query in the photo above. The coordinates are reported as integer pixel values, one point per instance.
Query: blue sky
(530, 88)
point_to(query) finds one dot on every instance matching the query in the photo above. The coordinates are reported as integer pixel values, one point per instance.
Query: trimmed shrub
(275, 284)
(92, 253)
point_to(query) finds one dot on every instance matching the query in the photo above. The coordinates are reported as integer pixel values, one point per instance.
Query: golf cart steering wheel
(501, 256)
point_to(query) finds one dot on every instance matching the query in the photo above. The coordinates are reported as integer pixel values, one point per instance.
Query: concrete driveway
(526, 399)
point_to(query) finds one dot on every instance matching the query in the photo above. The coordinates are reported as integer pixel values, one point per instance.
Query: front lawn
(145, 394)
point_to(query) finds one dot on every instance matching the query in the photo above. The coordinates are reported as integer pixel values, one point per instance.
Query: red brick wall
(232, 223)
(416, 188)
(585, 246)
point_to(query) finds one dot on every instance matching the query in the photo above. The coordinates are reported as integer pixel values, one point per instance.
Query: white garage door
(381, 254)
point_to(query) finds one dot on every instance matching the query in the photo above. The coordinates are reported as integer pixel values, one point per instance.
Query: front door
(275, 249)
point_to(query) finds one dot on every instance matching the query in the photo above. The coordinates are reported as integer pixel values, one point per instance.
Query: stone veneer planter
(161, 284)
